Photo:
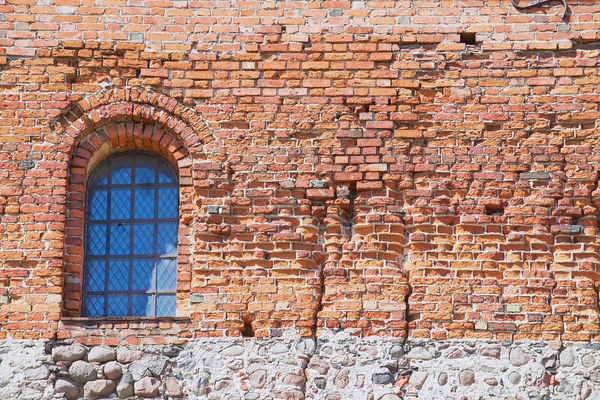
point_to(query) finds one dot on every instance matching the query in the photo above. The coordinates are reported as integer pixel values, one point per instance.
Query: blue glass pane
(143, 275)
(93, 306)
(144, 170)
(166, 175)
(120, 204)
(100, 177)
(144, 203)
(117, 306)
(121, 173)
(95, 275)
(96, 240)
(167, 202)
(143, 239)
(166, 275)
(167, 238)
(165, 305)
(98, 204)
(119, 239)
(118, 275)
(141, 305)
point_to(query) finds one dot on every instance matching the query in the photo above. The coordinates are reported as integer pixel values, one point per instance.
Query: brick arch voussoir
(136, 105)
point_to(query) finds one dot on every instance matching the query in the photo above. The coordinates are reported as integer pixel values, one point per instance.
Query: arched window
(130, 264)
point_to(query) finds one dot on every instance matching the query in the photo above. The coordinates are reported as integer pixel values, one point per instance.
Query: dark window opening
(468, 37)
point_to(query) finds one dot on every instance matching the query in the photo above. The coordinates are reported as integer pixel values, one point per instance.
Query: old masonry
(320, 200)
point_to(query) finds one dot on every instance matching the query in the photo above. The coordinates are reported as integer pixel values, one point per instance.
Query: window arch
(132, 215)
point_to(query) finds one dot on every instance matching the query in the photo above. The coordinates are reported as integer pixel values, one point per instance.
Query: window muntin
(131, 238)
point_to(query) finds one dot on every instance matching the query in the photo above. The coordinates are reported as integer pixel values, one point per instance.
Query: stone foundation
(336, 367)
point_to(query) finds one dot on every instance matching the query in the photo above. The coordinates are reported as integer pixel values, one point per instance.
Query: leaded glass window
(131, 237)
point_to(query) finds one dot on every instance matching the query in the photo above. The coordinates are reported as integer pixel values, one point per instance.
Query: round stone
(443, 379)
(518, 357)
(383, 379)
(514, 378)
(68, 353)
(466, 377)
(258, 378)
(102, 354)
(112, 370)
(70, 389)
(588, 361)
(295, 379)
(567, 357)
(97, 389)
(82, 372)
(341, 380)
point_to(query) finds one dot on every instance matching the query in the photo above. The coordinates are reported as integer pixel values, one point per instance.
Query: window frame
(132, 158)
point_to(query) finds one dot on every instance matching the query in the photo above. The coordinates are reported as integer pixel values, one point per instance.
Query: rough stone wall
(337, 366)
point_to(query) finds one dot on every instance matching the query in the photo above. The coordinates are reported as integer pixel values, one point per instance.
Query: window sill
(126, 319)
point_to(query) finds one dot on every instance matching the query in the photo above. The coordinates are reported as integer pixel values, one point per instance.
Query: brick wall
(343, 164)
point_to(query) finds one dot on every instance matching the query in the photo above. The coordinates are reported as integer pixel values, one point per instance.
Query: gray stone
(588, 361)
(112, 370)
(70, 389)
(390, 396)
(68, 353)
(419, 353)
(125, 386)
(102, 354)
(417, 379)
(321, 383)
(41, 372)
(514, 378)
(126, 356)
(396, 352)
(518, 357)
(174, 388)
(171, 351)
(147, 387)
(199, 383)
(258, 378)
(279, 348)
(156, 365)
(233, 351)
(585, 392)
(567, 357)
(307, 346)
(99, 388)
(223, 384)
(341, 380)
(82, 372)
(383, 379)
(318, 184)
(549, 362)
(443, 379)
(466, 377)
